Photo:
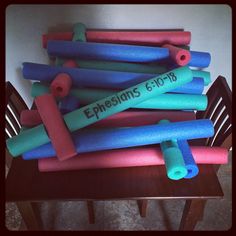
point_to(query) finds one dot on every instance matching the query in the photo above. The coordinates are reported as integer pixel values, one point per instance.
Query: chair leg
(29, 215)
(91, 214)
(142, 205)
(193, 212)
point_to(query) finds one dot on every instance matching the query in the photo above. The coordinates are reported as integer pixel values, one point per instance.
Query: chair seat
(25, 182)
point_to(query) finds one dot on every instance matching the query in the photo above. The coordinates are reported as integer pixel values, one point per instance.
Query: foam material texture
(189, 161)
(174, 163)
(56, 129)
(79, 118)
(104, 51)
(114, 138)
(61, 85)
(126, 37)
(69, 63)
(101, 78)
(202, 74)
(152, 68)
(30, 118)
(139, 156)
(79, 31)
(68, 104)
(180, 56)
(200, 59)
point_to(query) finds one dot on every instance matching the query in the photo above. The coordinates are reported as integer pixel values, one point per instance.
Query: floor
(124, 215)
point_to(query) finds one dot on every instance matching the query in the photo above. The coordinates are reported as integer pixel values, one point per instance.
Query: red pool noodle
(147, 156)
(30, 118)
(132, 118)
(126, 37)
(56, 36)
(55, 126)
(70, 63)
(60, 86)
(179, 55)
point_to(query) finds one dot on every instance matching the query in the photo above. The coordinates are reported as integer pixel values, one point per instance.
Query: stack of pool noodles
(108, 100)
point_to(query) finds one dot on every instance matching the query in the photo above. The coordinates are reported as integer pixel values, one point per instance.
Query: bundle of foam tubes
(115, 99)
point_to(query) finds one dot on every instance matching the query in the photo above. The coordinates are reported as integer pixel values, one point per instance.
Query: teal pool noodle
(174, 161)
(166, 101)
(79, 33)
(173, 158)
(101, 109)
(150, 68)
(100, 78)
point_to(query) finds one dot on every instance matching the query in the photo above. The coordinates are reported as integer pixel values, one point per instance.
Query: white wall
(210, 26)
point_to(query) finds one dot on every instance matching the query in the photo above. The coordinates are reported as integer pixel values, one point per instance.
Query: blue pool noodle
(106, 51)
(68, 103)
(188, 159)
(91, 140)
(200, 59)
(100, 78)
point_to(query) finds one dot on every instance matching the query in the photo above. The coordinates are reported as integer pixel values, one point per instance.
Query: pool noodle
(152, 68)
(113, 138)
(200, 59)
(79, 32)
(141, 156)
(61, 85)
(180, 56)
(79, 118)
(56, 128)
(189, 161)
(101, 51)
(68, 104)
(164, 101)
(100, 78)
(174, 161)
(151, 38)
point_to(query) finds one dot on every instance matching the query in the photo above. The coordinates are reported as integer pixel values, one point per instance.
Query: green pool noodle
(79, 32)
(163, 101)
(203, 74)
(101, 109)
(174, 161)
(151, 68)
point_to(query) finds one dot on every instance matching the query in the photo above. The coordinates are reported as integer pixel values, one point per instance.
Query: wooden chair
(137, 183)
(219, 110)
(14, 105)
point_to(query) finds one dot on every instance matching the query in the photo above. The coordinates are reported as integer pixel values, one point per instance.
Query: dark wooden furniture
(26, 184)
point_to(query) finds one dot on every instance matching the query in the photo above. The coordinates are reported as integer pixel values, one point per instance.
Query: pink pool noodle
(30, 118)
(126, 37)
(61, 85)
(55, 126)
(128, 118)
(150, 156)
(179, 55)
(140, 118)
